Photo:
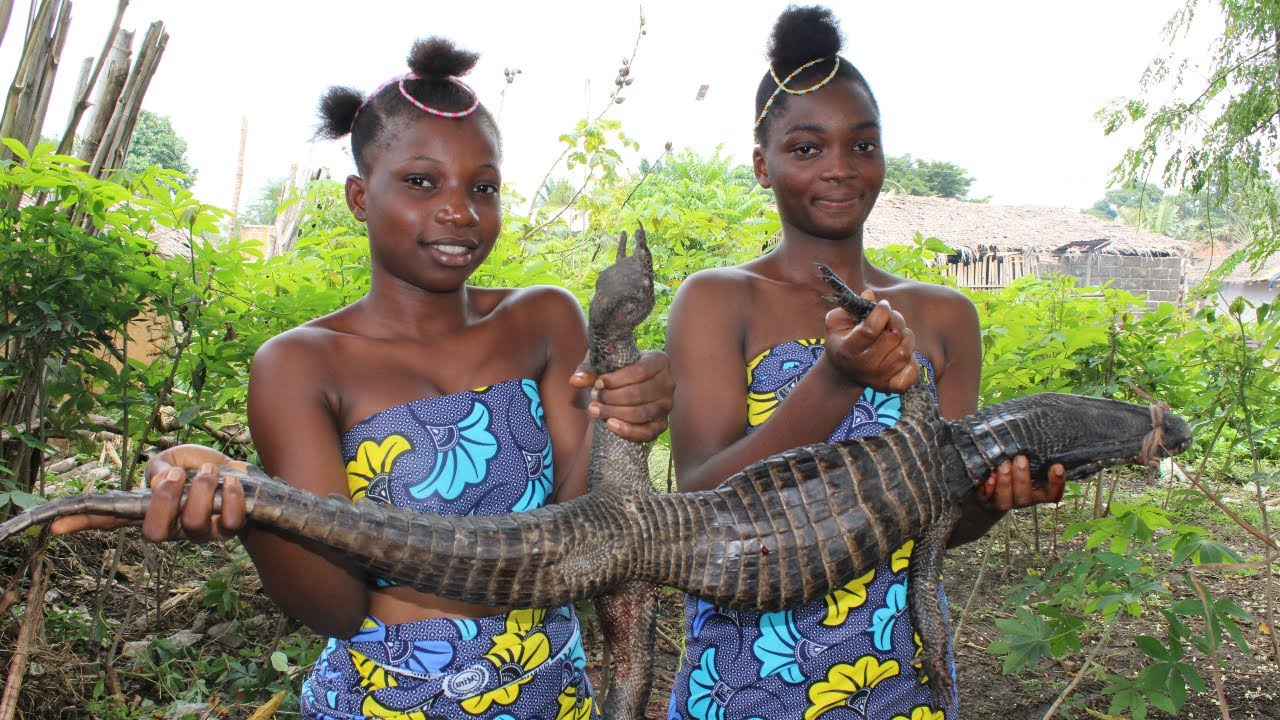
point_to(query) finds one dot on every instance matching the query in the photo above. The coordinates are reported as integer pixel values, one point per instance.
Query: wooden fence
(991, 271)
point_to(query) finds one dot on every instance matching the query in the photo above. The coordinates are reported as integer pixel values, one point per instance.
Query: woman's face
(824, 161)
(431, 199)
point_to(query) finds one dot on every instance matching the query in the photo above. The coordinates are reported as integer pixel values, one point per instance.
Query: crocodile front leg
(628, 620)
(927, 613)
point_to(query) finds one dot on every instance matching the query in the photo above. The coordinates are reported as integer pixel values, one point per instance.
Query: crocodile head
(623, 299)
(1084, 434)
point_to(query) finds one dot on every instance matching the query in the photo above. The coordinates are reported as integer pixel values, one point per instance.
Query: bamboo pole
(235, 195)
(83, 91)
(6, 11)
(20, 91)
(284, 221)
(104, 104)
(82, 82)
(48, 73)
(111, 154)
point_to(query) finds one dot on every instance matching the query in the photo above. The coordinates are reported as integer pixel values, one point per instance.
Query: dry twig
(1214, 663)
(32, 622)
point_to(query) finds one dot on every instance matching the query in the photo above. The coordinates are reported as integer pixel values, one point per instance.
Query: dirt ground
(61, 679)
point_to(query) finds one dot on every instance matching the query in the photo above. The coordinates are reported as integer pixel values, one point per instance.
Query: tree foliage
(262, 210)
(1194, 217)
(933, 178)
(1219, 134)
(155, 143)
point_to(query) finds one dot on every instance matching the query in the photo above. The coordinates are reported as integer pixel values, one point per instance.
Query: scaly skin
(784, 531)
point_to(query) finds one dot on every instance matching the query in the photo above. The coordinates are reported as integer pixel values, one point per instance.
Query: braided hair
(802, 35)
(435, 61)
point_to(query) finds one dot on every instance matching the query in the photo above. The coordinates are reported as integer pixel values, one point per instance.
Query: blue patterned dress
(480, 452)
(845, 656)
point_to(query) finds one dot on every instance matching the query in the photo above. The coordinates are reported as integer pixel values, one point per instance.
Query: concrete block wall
(1158, 278)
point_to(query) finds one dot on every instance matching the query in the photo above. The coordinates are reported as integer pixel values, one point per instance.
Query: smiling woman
(427, 394)
(764, 361)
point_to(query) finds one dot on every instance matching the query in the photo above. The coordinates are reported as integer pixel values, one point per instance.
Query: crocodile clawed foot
(845, 297)
(934, 672)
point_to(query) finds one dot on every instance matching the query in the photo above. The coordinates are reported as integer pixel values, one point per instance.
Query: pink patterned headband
(423, 106)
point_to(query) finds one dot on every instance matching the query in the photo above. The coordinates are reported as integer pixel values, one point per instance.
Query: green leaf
(1025, 641)
(17, 148)
(188, 414)
(1152, 647)
(280, 661)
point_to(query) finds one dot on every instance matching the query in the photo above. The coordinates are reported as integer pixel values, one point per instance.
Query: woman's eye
(866, 146)
(419, 181)
(487, 188)
(805, 150)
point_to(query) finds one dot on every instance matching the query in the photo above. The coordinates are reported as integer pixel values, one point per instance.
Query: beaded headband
(399, 81)
(782, 84)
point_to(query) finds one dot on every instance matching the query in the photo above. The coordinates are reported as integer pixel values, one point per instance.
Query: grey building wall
(1158, 278)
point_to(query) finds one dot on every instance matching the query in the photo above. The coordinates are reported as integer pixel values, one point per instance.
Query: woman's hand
(878, 352)
(167, 517)
(634, 401)
(1010, 486)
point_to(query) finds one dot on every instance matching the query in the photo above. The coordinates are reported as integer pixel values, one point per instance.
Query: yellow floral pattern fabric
(479, 452)
(847, 655)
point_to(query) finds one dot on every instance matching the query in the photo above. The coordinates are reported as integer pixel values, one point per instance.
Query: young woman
(427, 393)
(763, 362)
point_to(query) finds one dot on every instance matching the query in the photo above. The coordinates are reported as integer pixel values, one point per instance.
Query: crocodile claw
(856, 305)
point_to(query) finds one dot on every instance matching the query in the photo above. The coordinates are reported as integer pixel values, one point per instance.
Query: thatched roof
(170, 242)
(975, 229)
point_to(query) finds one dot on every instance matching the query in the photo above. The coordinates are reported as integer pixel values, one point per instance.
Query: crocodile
(784, 531)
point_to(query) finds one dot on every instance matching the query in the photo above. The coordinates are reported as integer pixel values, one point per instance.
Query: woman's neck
(398, 308)
(798, 254)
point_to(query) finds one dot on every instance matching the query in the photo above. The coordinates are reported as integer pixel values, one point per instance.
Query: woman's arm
(706, 338)
(296, 435)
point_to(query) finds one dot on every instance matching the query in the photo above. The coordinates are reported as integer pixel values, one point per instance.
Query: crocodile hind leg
(628, 619)
(927, 613)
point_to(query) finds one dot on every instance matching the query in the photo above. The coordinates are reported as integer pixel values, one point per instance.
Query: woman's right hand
(878, 352)
(168, 518)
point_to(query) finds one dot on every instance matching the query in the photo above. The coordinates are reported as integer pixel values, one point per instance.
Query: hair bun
(438, 57)
(338, 108)
(802, 34)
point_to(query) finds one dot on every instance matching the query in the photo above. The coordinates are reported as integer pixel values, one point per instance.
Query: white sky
(1004, 88)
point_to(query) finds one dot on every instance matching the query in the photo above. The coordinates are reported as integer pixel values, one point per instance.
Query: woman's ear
(762, 172)
(355, 196)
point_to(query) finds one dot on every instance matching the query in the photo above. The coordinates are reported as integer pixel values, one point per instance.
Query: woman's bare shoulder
(717, 283)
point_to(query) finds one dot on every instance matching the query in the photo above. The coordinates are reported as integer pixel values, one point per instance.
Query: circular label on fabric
(466, 683)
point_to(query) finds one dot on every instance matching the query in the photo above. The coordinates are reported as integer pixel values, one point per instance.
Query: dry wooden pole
(32, 623)
(235, 196)
(48, 73)
(83, 91)
(82, 82)
(108, 95)
(115, 145)
(284, 219)
(20, 100)
(6, 11)
(152, 50)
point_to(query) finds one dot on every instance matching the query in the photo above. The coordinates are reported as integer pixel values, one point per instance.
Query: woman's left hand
(1010, 486)
(634, 401)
